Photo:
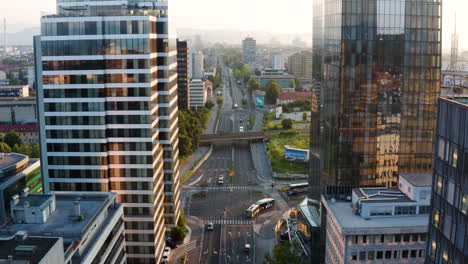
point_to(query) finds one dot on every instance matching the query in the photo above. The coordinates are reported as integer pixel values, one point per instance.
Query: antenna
(454, 50)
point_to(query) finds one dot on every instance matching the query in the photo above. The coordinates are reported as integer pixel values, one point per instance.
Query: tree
(209, 104)
(298, 84)
(273, 90)
(179, 232)
(35, 152)
(253, 84)
(287, 123)
(23, 149)
(4, 148)
(237, 74)
(12, 138)
(285, 253)
(219, 100)
(305, 116)
(246, 72)
(291, 84)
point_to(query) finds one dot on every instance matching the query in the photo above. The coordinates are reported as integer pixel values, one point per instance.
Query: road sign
(259, 101)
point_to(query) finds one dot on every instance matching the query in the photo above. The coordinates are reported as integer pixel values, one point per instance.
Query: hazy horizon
(269, 16)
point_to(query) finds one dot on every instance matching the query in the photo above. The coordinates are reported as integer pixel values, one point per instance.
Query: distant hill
(23, 37)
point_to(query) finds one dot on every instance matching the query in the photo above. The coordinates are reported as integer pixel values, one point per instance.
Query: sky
(273, 16)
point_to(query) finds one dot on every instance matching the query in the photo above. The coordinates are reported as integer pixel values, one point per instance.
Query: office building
(249, 52)
(380, 225)
(107, 93)
(211, 59)
(447, 228)
(14, 91)
(17, 173)
(69, 227)
(198, 94)
(183, 80)
(277, 61)
(380, 81)
(196, 64)
(300, 65)
(19, 114)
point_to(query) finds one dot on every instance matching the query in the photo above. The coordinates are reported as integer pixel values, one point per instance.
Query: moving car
(209, 226)
(241, 129)
(221, 180)
(236, 105)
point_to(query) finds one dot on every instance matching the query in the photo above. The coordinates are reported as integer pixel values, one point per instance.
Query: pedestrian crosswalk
(229, 221)
(228, 188)
(191, 245)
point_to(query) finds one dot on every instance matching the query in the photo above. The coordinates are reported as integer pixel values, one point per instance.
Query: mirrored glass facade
(448, 224)
(379, 68)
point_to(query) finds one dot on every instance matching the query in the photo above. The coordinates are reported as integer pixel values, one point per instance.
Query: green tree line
(11, 142)
(191, 126)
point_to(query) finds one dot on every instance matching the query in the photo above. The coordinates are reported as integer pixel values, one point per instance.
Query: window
(432, 249)
(413, 253)
(362, 255)
(441, 148)
(370, 255)
(439, 184)
(436, 218)
(424, 209)
(422, 237)
(464, 204)
(404, 254)
(354, 256)
(398, 238)
(388, 254)
(406, 237)
(379, 255)
(445, 258)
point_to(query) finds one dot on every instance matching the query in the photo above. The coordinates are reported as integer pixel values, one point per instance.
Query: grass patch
(252, 183)
(289, 179)
(187, 176)
(297, 197)
(284, 189)
(201, 194)
(276, 152)
(256, 192)
(183, 260)
(252, 118)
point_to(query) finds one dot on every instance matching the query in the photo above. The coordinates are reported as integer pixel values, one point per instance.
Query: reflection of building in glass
(380, 81)
(378, 72)
(448, 232)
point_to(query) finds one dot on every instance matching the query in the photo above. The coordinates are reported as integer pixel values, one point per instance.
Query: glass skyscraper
(378, 62)
(448, 225)
(107, 93)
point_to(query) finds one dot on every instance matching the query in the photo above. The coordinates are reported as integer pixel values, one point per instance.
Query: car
(221, 180)
(247, 248)
(241, 129)
(209, 226)
(164, 259)
(236, 105)
(167, 251)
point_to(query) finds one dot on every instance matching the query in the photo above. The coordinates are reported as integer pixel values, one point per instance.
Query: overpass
(210, 138)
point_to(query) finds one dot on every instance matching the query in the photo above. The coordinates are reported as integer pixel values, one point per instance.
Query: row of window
(100, 160)
(98, 147)
(97, 92)
(396, 238)
(98, 78)
(388, 254)
(107, 64)
(103, 47)
(103, 28)
(101, 107)
(101, 173)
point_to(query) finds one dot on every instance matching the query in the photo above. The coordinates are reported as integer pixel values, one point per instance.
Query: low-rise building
(380, 225)
(14, 90)
(278, 75)
(68, 227)
(289, 97)
(209, 89)
(198, 94)
(17, 173)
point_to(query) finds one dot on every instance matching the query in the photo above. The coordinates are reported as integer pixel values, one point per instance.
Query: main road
(224, 205)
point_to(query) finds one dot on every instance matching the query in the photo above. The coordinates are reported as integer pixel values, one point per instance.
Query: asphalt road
(225, 205)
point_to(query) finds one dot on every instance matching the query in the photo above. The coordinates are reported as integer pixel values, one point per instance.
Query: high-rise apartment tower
(107, 93)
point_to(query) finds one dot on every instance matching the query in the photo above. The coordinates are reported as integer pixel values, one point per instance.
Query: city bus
(297, 188)
(259, 206)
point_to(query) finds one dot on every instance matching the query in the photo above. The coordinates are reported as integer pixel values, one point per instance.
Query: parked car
(209, 226)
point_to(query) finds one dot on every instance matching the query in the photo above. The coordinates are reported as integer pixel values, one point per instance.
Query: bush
(209, 105)
(219, 100)
(179, 232)
(287, 123)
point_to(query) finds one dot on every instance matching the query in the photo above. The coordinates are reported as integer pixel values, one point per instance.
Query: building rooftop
(25, 98)
(10, 159)
(30, 250)
(12, 86)
(63, 222)
(355, 224)
(295, 96)
(380, 195)
(418, 179)
(19, 128)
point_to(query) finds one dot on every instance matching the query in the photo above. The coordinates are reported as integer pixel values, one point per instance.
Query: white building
(198, 94)
(68, 227)
(380, 225)
(277, 61)
(196, 65)
(249, 52)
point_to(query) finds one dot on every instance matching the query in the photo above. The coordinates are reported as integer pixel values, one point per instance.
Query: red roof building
(289, 97)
